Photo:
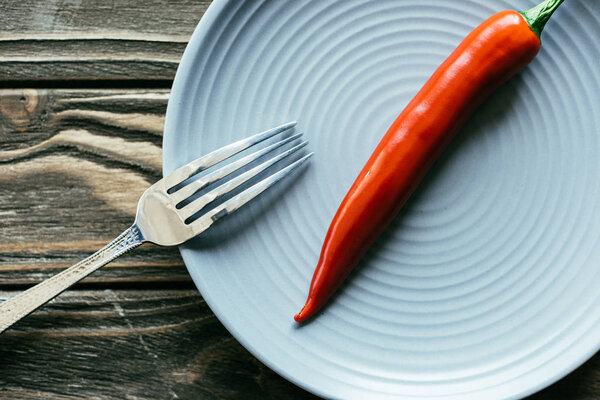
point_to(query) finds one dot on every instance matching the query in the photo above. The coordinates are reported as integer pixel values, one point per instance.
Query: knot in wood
(19, 107)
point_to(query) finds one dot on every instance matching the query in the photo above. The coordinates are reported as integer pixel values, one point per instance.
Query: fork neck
(132, 237)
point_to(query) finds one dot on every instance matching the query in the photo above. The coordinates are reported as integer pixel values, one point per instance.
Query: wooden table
(83, 91)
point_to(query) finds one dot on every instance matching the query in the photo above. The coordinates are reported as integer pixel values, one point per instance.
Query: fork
(170, 212)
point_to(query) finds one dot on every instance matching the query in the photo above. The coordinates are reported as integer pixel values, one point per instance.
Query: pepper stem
(537, 16)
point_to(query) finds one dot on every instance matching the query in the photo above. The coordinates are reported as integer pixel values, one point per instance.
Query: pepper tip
(299, 317)
(306, 312)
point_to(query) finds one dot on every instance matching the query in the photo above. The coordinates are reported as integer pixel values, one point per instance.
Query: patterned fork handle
(24, 303)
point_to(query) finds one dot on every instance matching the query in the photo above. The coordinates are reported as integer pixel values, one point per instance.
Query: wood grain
(116, 344)
(73, 164)
(94, 40)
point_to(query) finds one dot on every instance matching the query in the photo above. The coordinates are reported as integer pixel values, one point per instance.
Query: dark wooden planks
(40, 17)
(94, 40)
(73, 164)
(116, 344)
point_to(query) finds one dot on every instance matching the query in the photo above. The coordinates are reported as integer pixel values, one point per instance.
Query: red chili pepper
(491, 54)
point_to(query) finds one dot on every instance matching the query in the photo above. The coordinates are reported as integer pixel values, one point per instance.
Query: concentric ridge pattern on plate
(486, 283)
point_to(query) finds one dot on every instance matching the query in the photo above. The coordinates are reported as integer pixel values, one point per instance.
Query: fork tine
(231, 205)
(199, 184)
(210, 159)
(199, 203)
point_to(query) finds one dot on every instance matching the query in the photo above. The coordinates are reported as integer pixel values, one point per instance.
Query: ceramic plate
(486, 285)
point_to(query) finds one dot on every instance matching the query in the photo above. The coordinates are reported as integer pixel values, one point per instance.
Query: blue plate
(486, 285)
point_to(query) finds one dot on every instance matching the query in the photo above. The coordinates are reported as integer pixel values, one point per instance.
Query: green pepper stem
(537, 16)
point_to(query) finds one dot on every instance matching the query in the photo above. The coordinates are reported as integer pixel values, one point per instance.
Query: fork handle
(19, 306)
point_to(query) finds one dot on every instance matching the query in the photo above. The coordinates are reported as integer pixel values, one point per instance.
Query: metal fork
(165, 211)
